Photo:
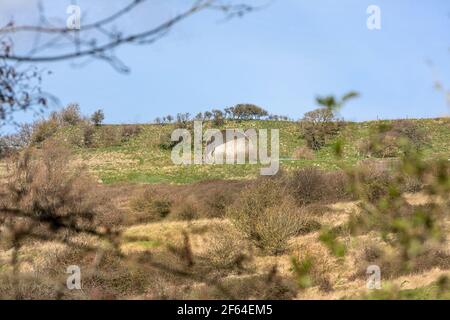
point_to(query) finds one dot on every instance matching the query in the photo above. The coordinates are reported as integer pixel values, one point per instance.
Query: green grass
(141, 160)
(147, 244)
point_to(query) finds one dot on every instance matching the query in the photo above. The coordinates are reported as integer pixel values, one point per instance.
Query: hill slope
(141, 159)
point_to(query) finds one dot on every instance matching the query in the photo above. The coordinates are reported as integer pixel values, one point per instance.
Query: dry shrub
(163, 274)
(211, 198)
(105, 275)
(73, 137)
(379, 146)
(310, 185)
(317, 209)
(44, 187)
(255, 198)
(69, 116)
(303, 153)
(392, 264)
(6, 149)
(130, 131)
(431, 257)
(373, 179)
(109, 136)
(414, 236)
(389, 140)
(267, 216)
(409, 130)
(218, 202)
(179, 274)
(82, 135)
(313, 266)
(435, 169)
(199, 284)
(150, 207)
(44, 129)
(49, 200)
(379, 174)
(115, 277)
(374, 253)
(269, 286)
(338, 186)
(371, 253)
(279, 224)
(28, 287)
(411, 184)
(377, 184)
(185, 211)
(12, 143)
(88, 135)
(44, 184)
(228, 251)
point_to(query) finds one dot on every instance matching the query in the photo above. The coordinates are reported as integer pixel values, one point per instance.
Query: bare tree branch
(20, 86)
(88, 46)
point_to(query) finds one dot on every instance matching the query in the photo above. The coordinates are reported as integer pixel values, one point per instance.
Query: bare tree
(20, 79)
(98, 39)
(20, 88)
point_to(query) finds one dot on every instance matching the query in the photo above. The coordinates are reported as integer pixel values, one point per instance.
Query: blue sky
(279, 58)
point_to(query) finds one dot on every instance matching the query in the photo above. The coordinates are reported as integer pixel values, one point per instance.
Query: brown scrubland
(307, 233)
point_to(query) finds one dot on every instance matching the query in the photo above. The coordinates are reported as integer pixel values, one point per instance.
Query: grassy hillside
(309, 235)
(142, 160)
